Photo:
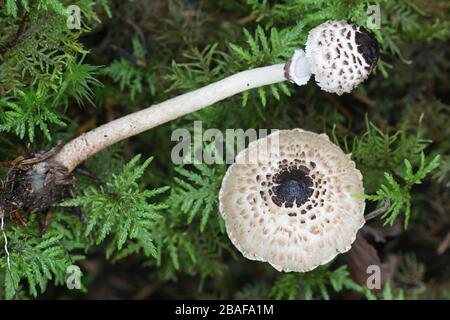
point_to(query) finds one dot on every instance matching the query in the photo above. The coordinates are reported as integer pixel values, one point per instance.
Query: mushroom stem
(92, 142)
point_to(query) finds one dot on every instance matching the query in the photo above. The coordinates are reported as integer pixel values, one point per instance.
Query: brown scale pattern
(304, 235)
(341, 55)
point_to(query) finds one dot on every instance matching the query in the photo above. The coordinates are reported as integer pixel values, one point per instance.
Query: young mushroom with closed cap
(341, 55)
(291, 199)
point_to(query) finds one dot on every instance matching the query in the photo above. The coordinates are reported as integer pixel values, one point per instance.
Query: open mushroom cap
(295, 205)
(341, 55)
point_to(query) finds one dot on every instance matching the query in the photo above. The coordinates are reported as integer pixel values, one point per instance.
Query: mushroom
(339, 54)
(290, 200)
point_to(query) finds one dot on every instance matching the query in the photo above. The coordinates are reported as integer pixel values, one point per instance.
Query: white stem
(88, 144)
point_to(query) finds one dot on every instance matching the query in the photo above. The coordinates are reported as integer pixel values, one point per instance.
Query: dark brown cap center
(367, 46)
(291, 186)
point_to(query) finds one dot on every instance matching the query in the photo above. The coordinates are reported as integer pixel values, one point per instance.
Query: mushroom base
(33, 186)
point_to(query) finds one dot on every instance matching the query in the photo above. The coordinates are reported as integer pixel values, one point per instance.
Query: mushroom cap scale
(295, 206)
(341, 55)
